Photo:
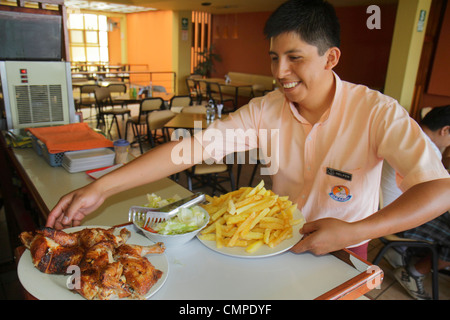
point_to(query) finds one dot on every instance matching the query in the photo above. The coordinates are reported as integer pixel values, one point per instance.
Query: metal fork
(145, 216)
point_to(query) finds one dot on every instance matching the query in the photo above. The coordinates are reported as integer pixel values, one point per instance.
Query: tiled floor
(390, 289)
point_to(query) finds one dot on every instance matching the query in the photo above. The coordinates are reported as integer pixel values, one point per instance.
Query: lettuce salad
(155, 201)
(186, 220)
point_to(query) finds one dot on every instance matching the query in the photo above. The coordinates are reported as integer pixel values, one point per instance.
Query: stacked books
(84, 160)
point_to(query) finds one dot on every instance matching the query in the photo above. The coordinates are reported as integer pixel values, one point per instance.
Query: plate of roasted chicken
(91, 262)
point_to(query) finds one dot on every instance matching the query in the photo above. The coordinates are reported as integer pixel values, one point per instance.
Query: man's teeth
(290, 85)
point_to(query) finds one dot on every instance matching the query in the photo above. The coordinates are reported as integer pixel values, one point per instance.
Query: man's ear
(333, 56)
(445, 130)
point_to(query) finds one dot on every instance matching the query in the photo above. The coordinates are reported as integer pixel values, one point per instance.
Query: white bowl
(174, 240)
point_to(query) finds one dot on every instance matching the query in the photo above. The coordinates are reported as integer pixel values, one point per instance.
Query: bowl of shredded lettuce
(180, 229)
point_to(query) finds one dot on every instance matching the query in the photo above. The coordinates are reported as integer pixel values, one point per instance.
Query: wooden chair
(177, 103)
(117, 89)
(194, 109)
(105, 109)
(204, 174)
(202, 89)
(139, 122)
(193, 90)
(87, 97)
(215, 93)
(156, 121)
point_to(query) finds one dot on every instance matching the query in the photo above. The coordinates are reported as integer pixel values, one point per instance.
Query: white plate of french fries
(251, 223)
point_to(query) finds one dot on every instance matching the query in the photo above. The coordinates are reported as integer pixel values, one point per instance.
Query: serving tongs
(146, 217)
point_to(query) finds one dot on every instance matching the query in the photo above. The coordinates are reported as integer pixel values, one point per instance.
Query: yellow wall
(181, 59)
(406, 51)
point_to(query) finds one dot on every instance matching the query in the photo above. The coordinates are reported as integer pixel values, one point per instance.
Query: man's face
(298, 68)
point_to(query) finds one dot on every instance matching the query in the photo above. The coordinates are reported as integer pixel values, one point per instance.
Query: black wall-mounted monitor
(28, 36)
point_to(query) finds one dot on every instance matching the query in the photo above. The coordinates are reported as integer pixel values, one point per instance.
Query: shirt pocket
(340, 191)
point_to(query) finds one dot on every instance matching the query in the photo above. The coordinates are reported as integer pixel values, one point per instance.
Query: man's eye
(273, 58)
(295, 58)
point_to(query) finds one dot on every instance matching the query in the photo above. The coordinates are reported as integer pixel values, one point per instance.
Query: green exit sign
(421, 24)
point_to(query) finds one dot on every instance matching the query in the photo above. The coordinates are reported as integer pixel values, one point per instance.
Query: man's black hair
(315, 21)
(437, 118)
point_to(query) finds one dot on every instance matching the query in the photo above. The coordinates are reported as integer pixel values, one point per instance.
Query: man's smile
(290, 85)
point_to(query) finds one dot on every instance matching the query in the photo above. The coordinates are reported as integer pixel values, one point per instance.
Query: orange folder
(70, 137)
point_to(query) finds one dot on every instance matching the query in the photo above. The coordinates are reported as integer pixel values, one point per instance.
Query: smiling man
(331, 135)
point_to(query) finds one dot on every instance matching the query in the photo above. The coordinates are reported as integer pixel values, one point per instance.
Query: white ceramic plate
(53, 287)
(264, 250)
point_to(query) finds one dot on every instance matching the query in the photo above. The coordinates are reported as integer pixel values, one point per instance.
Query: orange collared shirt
(332, 168)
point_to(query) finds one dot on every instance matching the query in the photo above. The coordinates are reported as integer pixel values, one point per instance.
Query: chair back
(102, 98)
(192, 87)
(117, 88)
(214, 88)
(157, 119)
(151, 104)
(194, 109)
(86, 93)
(180, 101)
(88, 88)
(202, 87)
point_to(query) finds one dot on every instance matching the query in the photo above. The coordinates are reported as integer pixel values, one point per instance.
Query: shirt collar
(325, 116)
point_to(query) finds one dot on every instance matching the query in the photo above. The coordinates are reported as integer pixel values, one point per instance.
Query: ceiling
(212, 6)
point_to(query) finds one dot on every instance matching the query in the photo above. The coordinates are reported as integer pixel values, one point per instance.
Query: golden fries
(249, 217)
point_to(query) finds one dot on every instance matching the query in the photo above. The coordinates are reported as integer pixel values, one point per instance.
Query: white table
(198, 272)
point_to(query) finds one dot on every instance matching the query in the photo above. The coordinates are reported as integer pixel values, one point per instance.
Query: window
(88, 37)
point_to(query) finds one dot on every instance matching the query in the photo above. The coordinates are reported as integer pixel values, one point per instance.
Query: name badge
(339, 174)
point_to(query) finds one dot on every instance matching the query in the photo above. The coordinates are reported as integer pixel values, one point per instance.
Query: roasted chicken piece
(109, 268)
(52, 251)
(110, 273)
(141, 275)
(90, 236)
(101, 277)
(113, 283)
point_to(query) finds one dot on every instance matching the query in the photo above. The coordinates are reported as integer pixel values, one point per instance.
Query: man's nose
(282, 69)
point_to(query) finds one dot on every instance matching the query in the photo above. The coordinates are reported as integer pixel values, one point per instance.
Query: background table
(234, 84)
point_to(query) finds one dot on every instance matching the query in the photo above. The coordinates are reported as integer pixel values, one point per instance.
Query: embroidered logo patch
(340, 193)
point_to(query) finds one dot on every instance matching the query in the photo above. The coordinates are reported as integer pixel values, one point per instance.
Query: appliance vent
(39, 103)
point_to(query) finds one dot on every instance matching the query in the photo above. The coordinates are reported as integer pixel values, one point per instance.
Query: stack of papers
(84, 160)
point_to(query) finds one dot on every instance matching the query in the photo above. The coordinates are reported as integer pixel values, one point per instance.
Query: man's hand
(325, 236)
(73, 207)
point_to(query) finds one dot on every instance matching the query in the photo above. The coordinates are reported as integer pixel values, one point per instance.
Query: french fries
(250, 218)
